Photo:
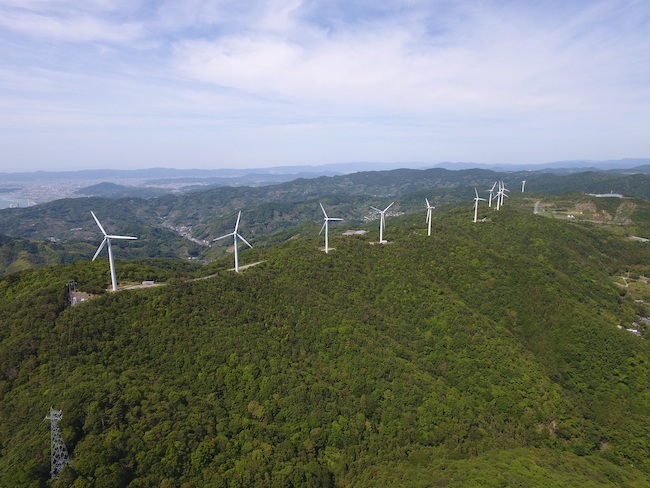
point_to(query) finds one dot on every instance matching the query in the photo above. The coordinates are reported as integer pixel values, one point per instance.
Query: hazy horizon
(116, 84)
(344, 168)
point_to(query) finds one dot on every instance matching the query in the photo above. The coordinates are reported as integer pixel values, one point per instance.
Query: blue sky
(232, 83)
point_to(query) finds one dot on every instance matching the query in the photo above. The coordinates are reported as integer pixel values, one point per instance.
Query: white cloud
(72, 21)
(78, 28)
(489, 62)
(411, 77)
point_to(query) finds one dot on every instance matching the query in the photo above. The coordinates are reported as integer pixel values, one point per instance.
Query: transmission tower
(58, 453)
(71, 288)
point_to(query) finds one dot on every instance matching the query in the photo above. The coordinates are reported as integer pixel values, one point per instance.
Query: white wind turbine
(107, 242)
(500, 194)
(326, 227)
(236, 236)
(491, 190)
(476, 200)
(382, 222)
(503, 192)
(523, 186)
(429, 209)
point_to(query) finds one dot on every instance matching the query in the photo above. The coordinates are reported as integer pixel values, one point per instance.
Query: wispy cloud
(492, 59)
(442, 79)
(69, 21)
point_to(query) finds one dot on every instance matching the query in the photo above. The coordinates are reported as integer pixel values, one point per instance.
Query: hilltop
(487, 354)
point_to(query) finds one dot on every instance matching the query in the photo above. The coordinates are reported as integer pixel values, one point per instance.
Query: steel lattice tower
(58, 453)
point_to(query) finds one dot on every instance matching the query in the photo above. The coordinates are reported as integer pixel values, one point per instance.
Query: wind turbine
(499, 197)
(500, 194)
(503, 192)
(476, 200)
(523, 186)
(326, 226)
(429, 209)
(107, 242)
(382, 222)
(235, 236)
(491, 190)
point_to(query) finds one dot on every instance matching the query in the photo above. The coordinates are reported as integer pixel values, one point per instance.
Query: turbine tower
(382, 222)
(499, 192)
(491, 190)
(476, 200)
(236, 236)
(429, 209)
(326, 227)
(58, 453)
(523, 186)
(107, 242)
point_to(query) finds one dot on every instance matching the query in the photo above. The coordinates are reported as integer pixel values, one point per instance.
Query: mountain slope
(184, 224)
(417, 359)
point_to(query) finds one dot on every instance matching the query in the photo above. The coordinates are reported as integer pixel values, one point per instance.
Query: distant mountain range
(641, 165)
(182, 224)
(278, 174)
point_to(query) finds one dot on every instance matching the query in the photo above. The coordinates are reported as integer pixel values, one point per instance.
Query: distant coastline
(15, 202)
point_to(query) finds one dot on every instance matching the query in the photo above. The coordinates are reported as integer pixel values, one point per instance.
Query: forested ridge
(166, 223)
(485, 355)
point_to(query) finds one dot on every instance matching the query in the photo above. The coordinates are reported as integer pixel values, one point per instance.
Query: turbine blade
(99, 249)
(389, 206)
(375, 208)
(322, 228)
(121, 237)
(427, 200)
(237, 224)
(97, 220)
(223, 237)
(332, 219)
(245, 241)
(323, 209)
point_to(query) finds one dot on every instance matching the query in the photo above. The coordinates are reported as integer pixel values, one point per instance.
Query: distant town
(19, 194)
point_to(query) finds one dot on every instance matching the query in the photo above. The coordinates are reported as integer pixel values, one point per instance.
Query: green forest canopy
(485, 355)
